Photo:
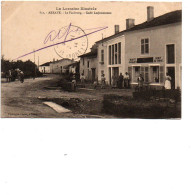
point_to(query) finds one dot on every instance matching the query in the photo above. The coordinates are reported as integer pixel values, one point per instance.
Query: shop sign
(158, 59)
(132, 60)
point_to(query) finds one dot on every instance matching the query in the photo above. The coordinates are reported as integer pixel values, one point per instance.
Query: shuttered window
(171, 54)
(102, 55)
(144, 46)
(136, 73)
(110, 55)
(154, 74)
(119, 53)
(115, 54)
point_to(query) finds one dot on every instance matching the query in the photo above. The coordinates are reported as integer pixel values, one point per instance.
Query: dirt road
(24, 100)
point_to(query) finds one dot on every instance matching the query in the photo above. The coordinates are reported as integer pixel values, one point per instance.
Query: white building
(152, 48)
(45, 68)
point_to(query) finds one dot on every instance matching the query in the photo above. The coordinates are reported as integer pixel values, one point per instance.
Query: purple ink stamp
(74, 41)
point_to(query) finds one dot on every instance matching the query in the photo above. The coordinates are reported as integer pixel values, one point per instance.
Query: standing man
(103, 81)
(73, 82)
(82, 80)
(120, 80)
(114, 81)
(126, 80)
(140, 81)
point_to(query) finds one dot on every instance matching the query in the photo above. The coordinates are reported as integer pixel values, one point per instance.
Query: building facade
(60, 66)
(152, 49)
(45, 68)
(89, 64)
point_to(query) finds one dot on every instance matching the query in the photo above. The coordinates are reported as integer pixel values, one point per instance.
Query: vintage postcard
(91, 59)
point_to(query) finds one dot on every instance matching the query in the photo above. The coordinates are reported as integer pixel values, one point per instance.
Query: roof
(168, 18)
(46, 64)
(90, 54)
(61, 60)
(74, 64)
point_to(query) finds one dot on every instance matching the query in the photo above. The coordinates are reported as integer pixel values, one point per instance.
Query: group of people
(121, 81)
(124, 81)
(167, 84)
(13, 74)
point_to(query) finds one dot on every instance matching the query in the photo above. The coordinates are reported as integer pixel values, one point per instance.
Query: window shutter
(162, 74)
(130, 73)
(146, 75)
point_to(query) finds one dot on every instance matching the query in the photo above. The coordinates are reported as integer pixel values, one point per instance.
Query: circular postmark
(75, 42)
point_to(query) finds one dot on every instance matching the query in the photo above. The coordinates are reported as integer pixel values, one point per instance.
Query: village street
(25, 100)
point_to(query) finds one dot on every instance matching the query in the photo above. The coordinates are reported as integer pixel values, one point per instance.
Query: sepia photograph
(91, 60)
(94, 98)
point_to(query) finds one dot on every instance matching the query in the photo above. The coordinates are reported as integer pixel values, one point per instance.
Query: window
(144, 46)
(87, 64)
(136, 73)
(102, 55)
(102, 72)
(119, 53)
(110, 55)
(114, 54)
(171, 54)
(154, 74)
(83, 62)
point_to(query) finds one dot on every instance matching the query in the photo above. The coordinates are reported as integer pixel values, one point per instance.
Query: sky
(24, 28)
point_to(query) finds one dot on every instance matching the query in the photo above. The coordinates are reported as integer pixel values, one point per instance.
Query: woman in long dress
(167, 82)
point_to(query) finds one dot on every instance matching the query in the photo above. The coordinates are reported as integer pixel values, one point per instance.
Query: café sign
(158, 59)
(146, 60)
(133, 60)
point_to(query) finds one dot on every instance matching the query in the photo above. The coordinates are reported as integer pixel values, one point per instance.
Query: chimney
(150, 13)
(116, 29)
(130, 23)
(53, 59)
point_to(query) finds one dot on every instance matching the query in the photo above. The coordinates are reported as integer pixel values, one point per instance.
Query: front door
(171, 73)
(116, 71)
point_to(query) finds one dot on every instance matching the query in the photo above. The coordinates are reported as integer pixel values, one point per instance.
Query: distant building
(89, 64)
(74, 68)
(152, 48)
(60, 66)
(45, 68)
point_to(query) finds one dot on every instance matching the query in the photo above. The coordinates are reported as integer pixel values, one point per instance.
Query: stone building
(152, 48)
(45, 68)
(89, 64)
(60, 66)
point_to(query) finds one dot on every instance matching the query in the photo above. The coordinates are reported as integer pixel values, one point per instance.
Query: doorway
(116, 71)
(171, 73)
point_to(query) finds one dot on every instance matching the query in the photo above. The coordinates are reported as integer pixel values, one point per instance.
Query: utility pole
(35, 66)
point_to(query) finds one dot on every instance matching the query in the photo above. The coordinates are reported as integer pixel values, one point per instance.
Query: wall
(87, 70)
(60, 66)
(47, 69)
(105, 67)
(158, 38)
